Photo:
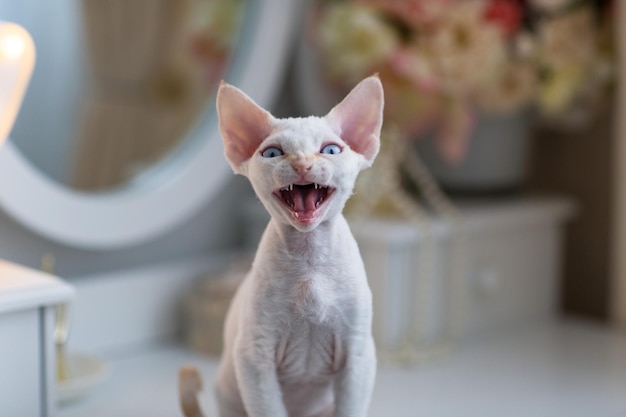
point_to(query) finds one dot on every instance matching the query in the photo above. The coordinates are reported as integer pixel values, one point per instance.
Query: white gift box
(511, 272)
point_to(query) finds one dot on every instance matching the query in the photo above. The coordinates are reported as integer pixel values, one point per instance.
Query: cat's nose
(302, 168)
(301, 164)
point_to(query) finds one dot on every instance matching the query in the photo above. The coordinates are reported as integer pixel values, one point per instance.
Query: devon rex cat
(298, 339)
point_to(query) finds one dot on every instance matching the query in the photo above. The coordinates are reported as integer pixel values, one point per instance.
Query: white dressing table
(27, 350)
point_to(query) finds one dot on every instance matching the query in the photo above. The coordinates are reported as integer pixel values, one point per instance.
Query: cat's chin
(306, 221)
(306, 225)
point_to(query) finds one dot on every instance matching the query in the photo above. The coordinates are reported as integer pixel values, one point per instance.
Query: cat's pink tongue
(304, 200)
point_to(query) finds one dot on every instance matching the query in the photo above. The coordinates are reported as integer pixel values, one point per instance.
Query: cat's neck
(319, 242)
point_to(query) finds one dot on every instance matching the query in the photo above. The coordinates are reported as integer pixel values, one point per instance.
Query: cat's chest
(309, 282)
(317, 321)
(309, 350)
(311, 298)
(312, 289)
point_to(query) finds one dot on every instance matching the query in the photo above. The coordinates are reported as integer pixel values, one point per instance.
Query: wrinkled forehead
(302, 133)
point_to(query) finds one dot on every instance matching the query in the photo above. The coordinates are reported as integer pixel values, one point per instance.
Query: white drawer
(20, 363)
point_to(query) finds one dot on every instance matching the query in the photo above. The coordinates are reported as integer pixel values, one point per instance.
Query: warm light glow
(12, 47)
(17, 59)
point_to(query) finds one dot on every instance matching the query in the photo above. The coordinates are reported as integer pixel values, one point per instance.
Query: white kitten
(298, 339)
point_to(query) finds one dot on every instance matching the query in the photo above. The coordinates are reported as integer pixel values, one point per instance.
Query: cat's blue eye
(331, 149)
(272, 152)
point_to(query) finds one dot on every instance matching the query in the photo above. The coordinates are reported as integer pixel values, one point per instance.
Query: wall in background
(578, 163)
(618, 275)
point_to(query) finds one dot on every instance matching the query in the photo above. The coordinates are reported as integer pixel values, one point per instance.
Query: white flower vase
(496, 160)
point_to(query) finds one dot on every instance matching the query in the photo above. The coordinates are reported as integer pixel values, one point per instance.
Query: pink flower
(453, 135)
(412, 64)
(464, 50)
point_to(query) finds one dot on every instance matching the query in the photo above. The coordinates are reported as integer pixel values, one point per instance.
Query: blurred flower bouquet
(215, 25)
(444, 62)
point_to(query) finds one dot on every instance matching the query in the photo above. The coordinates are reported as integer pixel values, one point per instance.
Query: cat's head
(302, 169)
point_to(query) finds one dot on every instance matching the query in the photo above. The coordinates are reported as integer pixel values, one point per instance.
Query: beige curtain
(143, 97)
(619, 241)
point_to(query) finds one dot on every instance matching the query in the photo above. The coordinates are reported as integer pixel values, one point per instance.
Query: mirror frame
(140, 212)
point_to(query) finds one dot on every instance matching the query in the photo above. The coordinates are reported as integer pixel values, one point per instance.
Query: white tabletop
(23, 288)
(566, 369)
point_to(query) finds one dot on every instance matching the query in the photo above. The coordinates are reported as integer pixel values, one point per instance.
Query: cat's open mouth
(304, 200)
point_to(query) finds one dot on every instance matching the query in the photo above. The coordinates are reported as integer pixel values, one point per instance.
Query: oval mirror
(117, 84)
(119, 120)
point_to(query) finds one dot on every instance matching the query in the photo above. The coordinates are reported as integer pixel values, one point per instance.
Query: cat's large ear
(357, 120)
(243, 124)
